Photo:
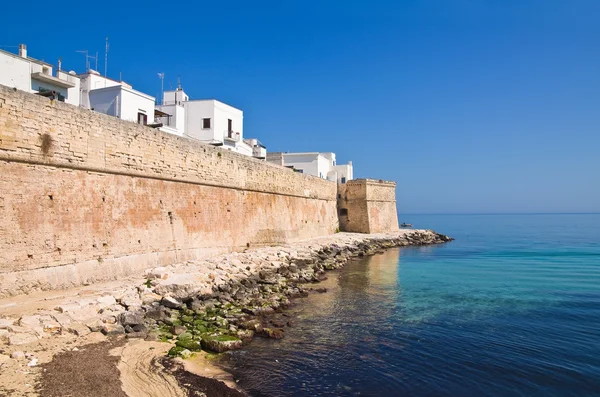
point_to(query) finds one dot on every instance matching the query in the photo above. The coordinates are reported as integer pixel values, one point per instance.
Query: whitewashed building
(31, 75)
(318, 164)
(116, 98)
(209, 121)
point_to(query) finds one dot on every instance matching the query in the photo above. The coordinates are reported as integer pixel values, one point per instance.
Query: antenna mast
(106, 60)
(161, 76)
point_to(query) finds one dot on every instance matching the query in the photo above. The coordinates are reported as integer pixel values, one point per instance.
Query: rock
(157, 314)
(245, 335)
(278, 322)
(51, 326)
(178, 329)
(22, 339)
(140, 335)
(80, 329)
(253, 325)
(106, 300)
(4, 335)
(113, 329)
(18, 355)
(157, 272)
(140, 328)
(221, 343)
(3, 358)
(5, 323)
(152, 336)
(95, 325)
(131, 301)
(62, 319)
(170, 302)
(183, 286)
(273, 333)
(185, 354)
(29, 321)
(130, 318)
(32, 363)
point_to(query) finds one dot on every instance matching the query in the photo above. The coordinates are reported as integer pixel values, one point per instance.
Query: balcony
(46, 78)
(259, 152)
(231, 136)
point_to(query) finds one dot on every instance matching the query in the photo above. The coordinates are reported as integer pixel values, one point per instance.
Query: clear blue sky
(471, 106)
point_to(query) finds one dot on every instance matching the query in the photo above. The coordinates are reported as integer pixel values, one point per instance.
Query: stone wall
(367, 206)
(86, 197)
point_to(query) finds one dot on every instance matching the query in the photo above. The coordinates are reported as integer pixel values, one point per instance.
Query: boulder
(5, 323)
(130, 318)
(113, 329)
(22, 339)
(221, 343)
(170, 302)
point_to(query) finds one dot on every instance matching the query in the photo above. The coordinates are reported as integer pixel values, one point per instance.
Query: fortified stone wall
(86, 197)
(367, 206)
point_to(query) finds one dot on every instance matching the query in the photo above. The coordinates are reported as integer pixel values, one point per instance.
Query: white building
(31, 75)
(208, 121)
(318, 164)
(116, 98)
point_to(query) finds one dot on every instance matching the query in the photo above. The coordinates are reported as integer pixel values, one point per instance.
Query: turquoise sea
(510, 308)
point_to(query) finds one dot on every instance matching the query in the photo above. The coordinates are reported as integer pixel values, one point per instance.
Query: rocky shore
(212, 305)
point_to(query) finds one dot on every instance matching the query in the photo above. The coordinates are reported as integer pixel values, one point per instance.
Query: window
(205, 124)
(142, 118)
(343, 211)
(343, 179)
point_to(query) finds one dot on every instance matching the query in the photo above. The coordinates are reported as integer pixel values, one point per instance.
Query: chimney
(22, 50)
(59, 66)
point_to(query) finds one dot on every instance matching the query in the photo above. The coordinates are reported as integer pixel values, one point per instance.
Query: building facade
(115, 98)
(322, 165)
(209, 121)
(31, 75)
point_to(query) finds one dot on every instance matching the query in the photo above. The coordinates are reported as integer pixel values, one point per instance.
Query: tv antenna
(87, 59)
(161, 76)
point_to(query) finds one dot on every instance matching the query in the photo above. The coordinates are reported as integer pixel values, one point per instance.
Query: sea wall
(367, 206)
(86, 197)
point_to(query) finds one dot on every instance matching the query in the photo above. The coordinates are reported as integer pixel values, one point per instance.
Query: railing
(165, 120)
(232, 136)
(259, 152)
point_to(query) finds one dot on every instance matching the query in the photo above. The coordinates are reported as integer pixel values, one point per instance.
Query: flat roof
(26, 59)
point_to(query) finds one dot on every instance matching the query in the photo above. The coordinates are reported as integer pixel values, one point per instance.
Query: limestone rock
(106, 300)
(17, 355)
(113, 329)
(80, 329)
(131, 318)
(5, 323)
(221, 344)
(22, 339)
(170, 302)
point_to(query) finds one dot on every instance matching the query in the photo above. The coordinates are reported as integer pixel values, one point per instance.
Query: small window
(343, 211)
(205, 124)
(339, 196)
(142, 118)
(343, 179)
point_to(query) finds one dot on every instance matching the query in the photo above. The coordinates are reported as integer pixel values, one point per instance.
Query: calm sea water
(511, 308)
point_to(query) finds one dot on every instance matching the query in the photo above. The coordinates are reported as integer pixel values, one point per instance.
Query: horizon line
(501, 213)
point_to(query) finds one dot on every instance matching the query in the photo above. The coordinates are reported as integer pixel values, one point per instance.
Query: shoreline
(217, 305)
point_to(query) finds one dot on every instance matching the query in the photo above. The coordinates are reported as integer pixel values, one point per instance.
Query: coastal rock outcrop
(217, 304)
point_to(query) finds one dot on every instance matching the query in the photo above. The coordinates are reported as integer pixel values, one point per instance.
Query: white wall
(106, 101)
(307, 162)
(195, 111)
(223, 113)
(134, 102)
(73, 93)
(344, 171)
(15, 72)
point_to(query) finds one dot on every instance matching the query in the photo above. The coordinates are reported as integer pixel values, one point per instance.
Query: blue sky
(471, 106)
